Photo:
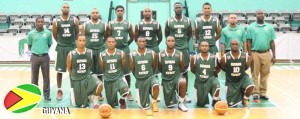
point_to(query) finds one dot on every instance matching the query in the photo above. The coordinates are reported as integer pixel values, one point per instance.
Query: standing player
(119, 29)
(150, 29)
(231, 32)
(239, 84)
(204, 66)
(95, 32)
(171, 65)
(206, 27)
(180, 27)
(142, 64)
(112, 61)
(79, 63)
(65, 31)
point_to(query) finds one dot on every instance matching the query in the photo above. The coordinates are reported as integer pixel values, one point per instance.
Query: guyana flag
(22, 98)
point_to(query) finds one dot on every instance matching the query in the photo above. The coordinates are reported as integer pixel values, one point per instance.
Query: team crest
(141, 23)
(177, 55)
(228, 58)
(58, 20)
(103, 54)
(118, 53)
(238, 31)
(134, 53)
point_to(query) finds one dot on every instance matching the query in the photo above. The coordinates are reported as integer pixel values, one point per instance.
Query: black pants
(36, 63)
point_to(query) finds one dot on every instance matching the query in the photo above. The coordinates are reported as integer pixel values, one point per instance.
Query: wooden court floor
(283, 90)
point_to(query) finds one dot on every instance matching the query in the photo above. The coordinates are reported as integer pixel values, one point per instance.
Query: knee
(182, 83)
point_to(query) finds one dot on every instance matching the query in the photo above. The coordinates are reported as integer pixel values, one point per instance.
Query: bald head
(147, 13)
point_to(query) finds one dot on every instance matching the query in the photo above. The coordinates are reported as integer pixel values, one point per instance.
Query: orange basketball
(221, 107)
(105, 110)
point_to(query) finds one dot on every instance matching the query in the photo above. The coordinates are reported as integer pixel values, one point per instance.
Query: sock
(154, 101)
(59, 88)
(181, 100)
(95, 98)
(245, 97)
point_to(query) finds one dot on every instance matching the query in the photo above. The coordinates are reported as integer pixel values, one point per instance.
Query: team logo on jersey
(141, 23)
(103, 54)
(177, 55)
(238, 31)
(228, 57)
(154, 22)
(118, 53)
(58, 19)
(134, 53)
(162, 55)
(73, 52)
(212, 56)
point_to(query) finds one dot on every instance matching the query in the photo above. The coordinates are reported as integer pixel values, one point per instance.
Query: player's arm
(192, 64)
(69, 64)
(159, 35)
(105, 33)
(159, 63)
(196, 31)
(190, 30)
(123, 61)
(217, 68)
(136, 32)
(101, 62)
(108, 30)
(223, 49)
(223, 63)
(154, 61)
(83, 29)
(131, 35)
(131, 64)
(76, 28)
(167, 29)
(181, 63)
(223, 40)
(218, 31)
(54, 29)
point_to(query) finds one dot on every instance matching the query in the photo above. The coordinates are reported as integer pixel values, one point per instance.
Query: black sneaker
(48, 98)
(264, 97)
(214, 102)
(256, 99)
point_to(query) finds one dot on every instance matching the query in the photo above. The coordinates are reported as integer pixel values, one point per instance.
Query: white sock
(59, 88)
(95, 98)
(181, 100)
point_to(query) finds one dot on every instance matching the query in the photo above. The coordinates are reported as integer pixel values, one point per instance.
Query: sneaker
(122, 103)
(214, 102)
(187, 98)
(245, 102)
(100, 97)
(182, 107)
(96, 106)
(47, 98)
(154, 107)
(59, 95)
(264, 97)
(256, 99)
(129, 97)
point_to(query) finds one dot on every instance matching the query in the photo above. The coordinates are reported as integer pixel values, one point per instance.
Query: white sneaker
(182, 107)
(187, 98)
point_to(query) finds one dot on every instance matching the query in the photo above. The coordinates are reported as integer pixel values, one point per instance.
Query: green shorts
(144, 88)
(127, 70)
(186, 57)
(96, 66)
(202, 89)
(84, 88)
(112, 88)
(235, 90)
(61, 58)
(170, 91)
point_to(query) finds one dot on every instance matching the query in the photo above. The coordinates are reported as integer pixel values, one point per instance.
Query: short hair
(62, 6)
(177, 3)
(39, 17)
(80, 36)
(234, 40)
(139, 38)
(170, 36)
(259, 10)
(120, 6)
(206, 3)
(111, 37)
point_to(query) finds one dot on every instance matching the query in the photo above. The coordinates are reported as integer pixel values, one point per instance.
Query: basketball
(221, 107)
(105, 110)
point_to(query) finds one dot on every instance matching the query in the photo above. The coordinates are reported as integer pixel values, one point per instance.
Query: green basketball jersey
(95, 34)
(112, 65)
(179, 29)
(119, 31)
(207, 29)
(149, 31)
(204, 69)
(66, 31)
(143, 64)
(170, 64)
(235, 68)
(81, 64)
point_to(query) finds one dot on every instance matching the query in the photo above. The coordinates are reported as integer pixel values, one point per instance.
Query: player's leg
(123, 90)
(111, 93)
(143, 88)
(94, 87)
(234, 94)
(186, 56)
(96, 68)
(182, 93)
(247, 86)
(78, 95)
(59, 68)
(202, 93)
(153, 81)
(169, 93)
(45, 71)
(214, 86)
(127, 72)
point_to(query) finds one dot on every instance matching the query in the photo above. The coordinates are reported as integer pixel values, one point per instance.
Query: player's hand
(216, 71)
(273, 60)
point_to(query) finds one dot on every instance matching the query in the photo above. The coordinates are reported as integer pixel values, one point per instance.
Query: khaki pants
(260, 67)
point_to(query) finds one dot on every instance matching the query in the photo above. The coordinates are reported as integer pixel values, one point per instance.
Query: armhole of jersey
(105, 24)
(217, 20)
(138, 25)
(189, 22)
(74, 20)
(70, 54)
(168, 22)
(92, 54)
(128, 25)
(153, 54)
(216, 60)
(122, 53)
(225, 58)
(130, 55)
(157, 25)
(247, 56)
(196, 24)
(159, 58)
(109, 25)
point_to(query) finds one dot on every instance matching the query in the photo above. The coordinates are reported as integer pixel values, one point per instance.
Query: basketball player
(119, 29)
(180, 27)
(79, 63)
(95, 32)
(171, 65)
(204, 66)
(239, 85)
(142, 65)
(206, 27)
(112, 61)
(150, 29)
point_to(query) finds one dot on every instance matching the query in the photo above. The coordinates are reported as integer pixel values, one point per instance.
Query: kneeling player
(79, 62)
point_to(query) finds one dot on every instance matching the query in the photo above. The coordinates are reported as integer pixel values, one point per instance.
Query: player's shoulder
(155, 22)
(214, 18)
(73, 52)
(119, 52)
(88, 50)
(162, 53)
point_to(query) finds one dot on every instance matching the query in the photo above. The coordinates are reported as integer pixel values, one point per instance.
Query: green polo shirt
(228, 34)
(261, 35)
(39, 41)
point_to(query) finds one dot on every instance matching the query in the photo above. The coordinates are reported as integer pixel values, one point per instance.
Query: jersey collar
(234, 57)
(64, 19)
(179, 20)
(112, 54)
(147, 22)
(202, 17)
(79, 52)
(202, 57)
(119, 22)
(140, 54)
(172, 53)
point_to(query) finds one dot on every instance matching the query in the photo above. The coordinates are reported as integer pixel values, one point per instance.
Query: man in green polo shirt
(261, 37)
(231, 32)
(39, 41)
